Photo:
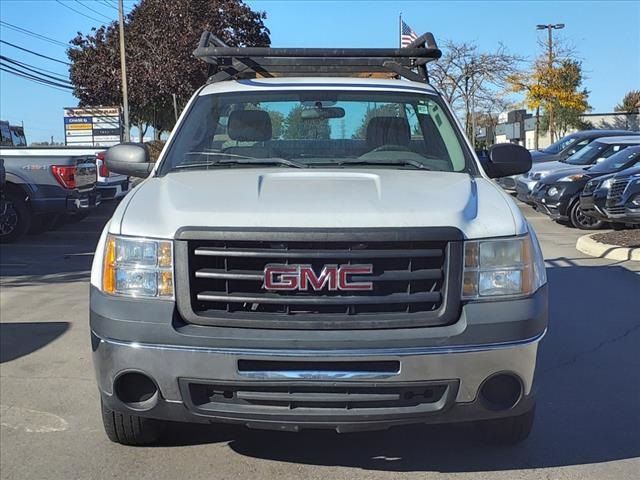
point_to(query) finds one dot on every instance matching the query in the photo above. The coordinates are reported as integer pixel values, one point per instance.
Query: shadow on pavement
(20, 339)
(588, 403)
(58, 256)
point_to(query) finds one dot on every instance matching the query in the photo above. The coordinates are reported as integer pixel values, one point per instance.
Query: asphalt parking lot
(588, 417)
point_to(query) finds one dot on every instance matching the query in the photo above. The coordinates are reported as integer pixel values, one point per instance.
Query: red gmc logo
(303, 278)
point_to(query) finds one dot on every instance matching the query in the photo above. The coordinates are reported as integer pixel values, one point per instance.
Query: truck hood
(319, 198)
(553, 167)
(538, 156)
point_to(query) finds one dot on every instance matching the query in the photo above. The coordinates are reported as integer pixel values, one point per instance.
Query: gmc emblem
(303, 278)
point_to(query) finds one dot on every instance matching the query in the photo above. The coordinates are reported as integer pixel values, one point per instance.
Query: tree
(570, 102)
(386, 110)
(160, 38)
(630, 102)
(277, 123)
(297, 128)
(470, 80)
(556, 89)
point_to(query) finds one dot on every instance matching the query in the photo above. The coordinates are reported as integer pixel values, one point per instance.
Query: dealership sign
(92, 126)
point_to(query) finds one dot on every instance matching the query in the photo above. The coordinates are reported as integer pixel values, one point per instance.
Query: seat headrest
(249, 126)
(388, 131)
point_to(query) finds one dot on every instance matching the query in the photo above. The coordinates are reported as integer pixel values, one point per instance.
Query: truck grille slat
(317, 400)
(256, 275)
(223, 281)
(400, 298)
(313, 254)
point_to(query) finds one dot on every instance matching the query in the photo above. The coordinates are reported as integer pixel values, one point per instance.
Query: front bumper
(508, 183)
(593, 206)
(186, 361)
(524, 188)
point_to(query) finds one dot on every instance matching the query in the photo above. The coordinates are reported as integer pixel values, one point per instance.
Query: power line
(105, 2)
(26, 66)
(79, 12)
(34, 53)
(37, 76)
(65, 76)
(2, 68)
(93, 10)
(109, 4)
(33, 34)
(28, 76)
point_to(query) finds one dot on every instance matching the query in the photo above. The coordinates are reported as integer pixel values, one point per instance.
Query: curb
(588, 245)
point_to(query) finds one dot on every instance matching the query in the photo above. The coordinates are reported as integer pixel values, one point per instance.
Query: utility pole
(123, 68)
(175, 107)
(549, 27)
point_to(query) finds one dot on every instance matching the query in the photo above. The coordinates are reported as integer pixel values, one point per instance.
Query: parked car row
(45, 187)
(595, 186)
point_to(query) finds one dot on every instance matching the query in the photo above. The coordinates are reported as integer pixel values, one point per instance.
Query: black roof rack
(227, 62)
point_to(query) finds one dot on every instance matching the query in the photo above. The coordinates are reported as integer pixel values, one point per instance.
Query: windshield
(593, 153)
(303, 129)
(619, 161)
(560, 145)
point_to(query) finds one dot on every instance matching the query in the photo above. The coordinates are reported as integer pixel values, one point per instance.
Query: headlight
(572, 178)
(553, 192)
(635, 201)
(607, 183)
(138, 267)
(538, 175)
(503, 267)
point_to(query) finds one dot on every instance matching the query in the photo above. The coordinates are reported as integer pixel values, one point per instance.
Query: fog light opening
(136, 390)
(501, 392)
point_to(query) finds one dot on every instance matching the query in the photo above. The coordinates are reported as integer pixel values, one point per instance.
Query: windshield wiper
(405, 162)
(233, 159)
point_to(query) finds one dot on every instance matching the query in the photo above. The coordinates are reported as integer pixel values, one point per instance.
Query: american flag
(407, 35)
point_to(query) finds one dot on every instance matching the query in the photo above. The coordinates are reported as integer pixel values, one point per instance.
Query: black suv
(623, 198)
(558, 194)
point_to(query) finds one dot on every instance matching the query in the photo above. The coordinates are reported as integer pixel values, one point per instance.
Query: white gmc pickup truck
(317, 250)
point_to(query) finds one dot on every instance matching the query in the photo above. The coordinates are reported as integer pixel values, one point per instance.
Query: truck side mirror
(130, 159)
(506, 159)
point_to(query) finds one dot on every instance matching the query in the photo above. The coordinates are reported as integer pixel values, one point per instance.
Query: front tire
(129, 429)
(508, 430)
(579, 220)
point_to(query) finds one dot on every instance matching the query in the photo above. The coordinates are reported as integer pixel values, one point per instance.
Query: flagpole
(400, 31)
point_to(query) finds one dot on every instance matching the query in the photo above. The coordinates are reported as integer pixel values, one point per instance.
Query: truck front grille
(409, 282)
(616, 190)
(614, 196)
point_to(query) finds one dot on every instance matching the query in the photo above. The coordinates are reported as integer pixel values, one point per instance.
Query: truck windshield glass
(317, 129)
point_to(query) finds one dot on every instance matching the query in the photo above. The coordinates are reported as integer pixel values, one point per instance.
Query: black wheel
(15, 216)
(582, 221)
(508, 430)
(129, 429)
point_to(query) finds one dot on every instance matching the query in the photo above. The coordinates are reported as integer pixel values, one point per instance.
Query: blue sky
(606, 35)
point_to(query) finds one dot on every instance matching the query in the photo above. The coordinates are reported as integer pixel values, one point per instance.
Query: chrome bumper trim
(396, 352)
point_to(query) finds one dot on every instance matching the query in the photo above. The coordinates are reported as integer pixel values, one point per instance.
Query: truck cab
(317, 250)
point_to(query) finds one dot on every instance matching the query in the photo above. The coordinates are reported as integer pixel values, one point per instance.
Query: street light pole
(549, 27)
(123, 68)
